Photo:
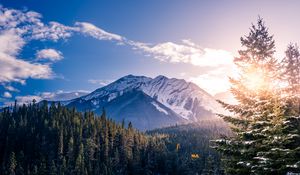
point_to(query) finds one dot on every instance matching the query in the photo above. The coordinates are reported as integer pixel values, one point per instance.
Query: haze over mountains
(150, 102)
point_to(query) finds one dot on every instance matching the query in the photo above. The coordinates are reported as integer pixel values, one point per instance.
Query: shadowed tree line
(53, 139)
(37, 139)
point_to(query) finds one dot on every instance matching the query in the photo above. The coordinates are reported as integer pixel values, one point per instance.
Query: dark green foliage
(183, 141)
(52, 139)
(38, 139)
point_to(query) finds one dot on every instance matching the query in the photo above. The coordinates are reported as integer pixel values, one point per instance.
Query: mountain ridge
(184, 101)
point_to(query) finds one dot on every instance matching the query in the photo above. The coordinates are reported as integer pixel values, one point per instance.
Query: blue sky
(95, 42)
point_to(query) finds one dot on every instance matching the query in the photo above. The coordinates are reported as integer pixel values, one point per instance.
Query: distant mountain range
(150, 102)
(62, 96)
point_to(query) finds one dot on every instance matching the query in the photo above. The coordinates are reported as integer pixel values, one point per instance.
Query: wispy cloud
(10, 88)
(185, 52)
(220, 61)
(49, 96)
(95, 32)
(21, 100)
(7, 95)
(49, 54)
(216, 79)
(26, 99)
(62, 95)
(19, 27)
(100, 82)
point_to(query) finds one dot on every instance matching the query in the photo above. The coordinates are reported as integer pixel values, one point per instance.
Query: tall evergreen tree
(252, 89)
(285, 140)
(291, 75)
(265, 129)
(291, 68)
(12, 164)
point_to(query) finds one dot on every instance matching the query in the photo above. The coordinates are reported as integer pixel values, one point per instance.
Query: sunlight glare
(255, 80)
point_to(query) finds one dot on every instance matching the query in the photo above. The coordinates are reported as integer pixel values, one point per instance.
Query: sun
(255, 80)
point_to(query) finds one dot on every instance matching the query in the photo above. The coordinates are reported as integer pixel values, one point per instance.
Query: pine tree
(291, 69)
(58, 140)
(136, 156)
(79, 164)
(52, 168)
(284, 152)
(209, 166)
(12, 164)
(253, 117)
(291, 76)
(70, 155)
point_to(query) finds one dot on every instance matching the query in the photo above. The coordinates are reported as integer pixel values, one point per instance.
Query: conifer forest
(225, 106)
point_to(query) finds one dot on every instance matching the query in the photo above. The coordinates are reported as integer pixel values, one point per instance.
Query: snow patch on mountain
(184, 98)
(118, 87)
(159, 108)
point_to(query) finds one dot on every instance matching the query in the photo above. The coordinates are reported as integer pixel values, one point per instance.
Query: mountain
(150, 102)
(134, 106)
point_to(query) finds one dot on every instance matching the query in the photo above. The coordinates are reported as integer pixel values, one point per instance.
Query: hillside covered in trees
(189, 145)
(38, 139)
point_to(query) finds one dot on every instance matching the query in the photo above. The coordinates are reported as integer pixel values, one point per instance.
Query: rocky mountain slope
(150, 102)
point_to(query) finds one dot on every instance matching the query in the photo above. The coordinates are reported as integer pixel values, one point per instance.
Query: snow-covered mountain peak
(160, 77)
(118, 87)
(130, 78)
(184, 98)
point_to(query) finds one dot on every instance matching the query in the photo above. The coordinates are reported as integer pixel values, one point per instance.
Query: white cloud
(98, 33)
(10, 88)
(53, 31)
(216, 79)
(189, 43)
(17, 28)
(11, 43)
(29, 25)
(23, 100)
(212, 57)
(186, 52)
(220, 62)
(17, 70)
(210, 83)
(51, 54)
(13, 68)
(183, 74)
(100, 82)
(7, 95)
(28, 99)
(62, 95)
(49, 96)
